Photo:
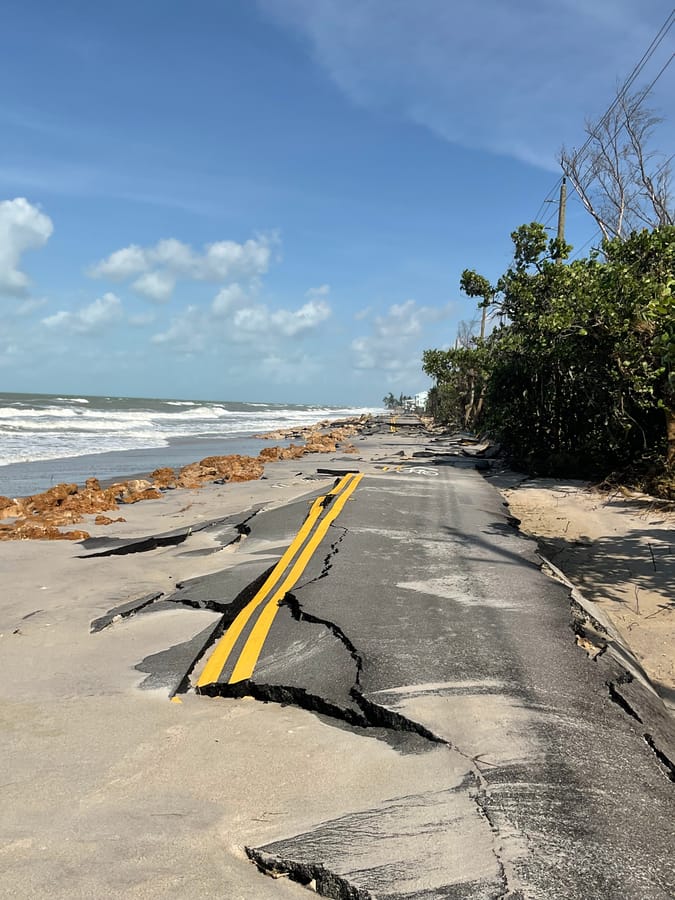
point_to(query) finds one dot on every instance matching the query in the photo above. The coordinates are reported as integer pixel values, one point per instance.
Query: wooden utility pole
(562, 203)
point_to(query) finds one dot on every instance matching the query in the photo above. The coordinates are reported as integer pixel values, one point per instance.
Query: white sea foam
(43, 428)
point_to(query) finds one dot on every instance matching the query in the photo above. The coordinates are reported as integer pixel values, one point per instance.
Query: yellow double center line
(297, 556)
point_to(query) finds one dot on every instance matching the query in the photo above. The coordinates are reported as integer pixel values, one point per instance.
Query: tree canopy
(580, 376)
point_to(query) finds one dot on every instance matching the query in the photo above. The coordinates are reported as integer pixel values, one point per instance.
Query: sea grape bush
(578, 377)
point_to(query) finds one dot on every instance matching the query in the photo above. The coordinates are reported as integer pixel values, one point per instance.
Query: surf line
(297, 556)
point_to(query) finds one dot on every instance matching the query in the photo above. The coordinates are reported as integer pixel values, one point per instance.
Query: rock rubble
(45, 516)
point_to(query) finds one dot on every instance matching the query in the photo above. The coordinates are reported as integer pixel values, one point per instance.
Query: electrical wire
(639, 66)
(630, 79)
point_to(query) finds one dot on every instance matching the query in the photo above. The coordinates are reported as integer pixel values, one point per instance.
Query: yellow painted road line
(252, 648)
(223, 648)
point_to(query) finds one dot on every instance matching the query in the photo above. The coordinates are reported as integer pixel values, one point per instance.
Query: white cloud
(227, 259)
(161, 265)
(228, 299)
(234, 318)
(255, 322)
(121, 264)
(189, 331)
(22, 227)
(491, 75)
(103, 312)
(318, 293)
(156, 286)
(394, 343)
(290, 368)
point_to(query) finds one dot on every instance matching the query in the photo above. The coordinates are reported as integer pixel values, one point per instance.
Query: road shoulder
(619, 549)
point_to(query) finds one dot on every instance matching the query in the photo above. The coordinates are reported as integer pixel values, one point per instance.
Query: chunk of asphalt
(171, 668)
(117, 547)
(415, 846)
(219, 590)
(124, 610)
(106, 546)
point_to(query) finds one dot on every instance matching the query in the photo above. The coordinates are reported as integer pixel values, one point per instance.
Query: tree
(580, 378)
(461, 378)
(623, 184)
(391, 402)
(475, 285)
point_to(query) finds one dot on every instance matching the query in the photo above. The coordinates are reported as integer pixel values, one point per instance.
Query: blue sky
(274, 199)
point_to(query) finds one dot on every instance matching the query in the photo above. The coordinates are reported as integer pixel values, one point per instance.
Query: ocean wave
(44, 427)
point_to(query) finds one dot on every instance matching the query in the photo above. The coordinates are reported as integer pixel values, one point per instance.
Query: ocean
(46, 439)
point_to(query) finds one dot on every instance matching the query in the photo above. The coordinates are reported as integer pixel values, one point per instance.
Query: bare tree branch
(616, 176)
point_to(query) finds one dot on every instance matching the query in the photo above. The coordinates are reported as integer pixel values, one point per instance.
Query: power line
(579, 251)
(620, 96)
(547, 199)
(639, 66)
(637, 69)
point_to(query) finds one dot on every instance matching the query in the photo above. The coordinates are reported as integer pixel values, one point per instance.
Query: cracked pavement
(429, 728)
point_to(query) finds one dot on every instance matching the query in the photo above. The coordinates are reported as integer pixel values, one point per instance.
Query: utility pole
(561, 217)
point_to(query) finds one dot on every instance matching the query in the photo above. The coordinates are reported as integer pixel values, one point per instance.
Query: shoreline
(46, 514)
(24, 479)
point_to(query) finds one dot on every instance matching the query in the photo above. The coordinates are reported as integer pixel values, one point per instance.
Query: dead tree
(623, 184)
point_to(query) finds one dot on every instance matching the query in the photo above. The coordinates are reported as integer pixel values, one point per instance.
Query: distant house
(418, 401)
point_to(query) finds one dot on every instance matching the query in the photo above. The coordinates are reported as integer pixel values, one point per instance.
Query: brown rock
(51, 498)
(150, 493)
(293, 452)
(26, 530)
(267, 454)
(106, 520)
(320, 443)
(10, 509)
(164, 477)
(230, 468)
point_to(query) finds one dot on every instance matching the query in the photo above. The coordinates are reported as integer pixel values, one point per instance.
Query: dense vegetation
(578, 376)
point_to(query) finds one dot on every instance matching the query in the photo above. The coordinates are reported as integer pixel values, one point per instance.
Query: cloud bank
(156, 269)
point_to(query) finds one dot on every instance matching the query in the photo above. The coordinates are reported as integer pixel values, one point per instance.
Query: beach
(48, 439)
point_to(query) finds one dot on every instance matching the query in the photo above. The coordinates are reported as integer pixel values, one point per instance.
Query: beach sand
(619, 549)
(113, 791)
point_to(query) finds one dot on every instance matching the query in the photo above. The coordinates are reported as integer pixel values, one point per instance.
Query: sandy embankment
(619, 549)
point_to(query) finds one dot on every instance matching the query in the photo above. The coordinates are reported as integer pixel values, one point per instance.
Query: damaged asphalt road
(422, 618)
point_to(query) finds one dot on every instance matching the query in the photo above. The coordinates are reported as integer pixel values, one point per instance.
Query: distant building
(418, 401)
